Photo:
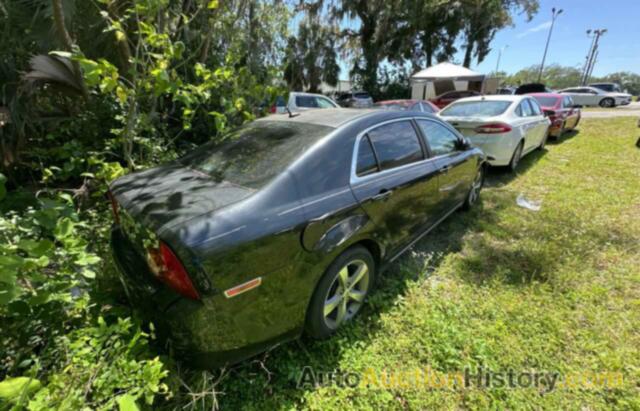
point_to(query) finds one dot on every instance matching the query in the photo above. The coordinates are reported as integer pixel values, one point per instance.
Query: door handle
(445, 169)
(382, 195)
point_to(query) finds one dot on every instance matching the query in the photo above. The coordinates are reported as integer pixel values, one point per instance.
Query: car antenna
(291, 115)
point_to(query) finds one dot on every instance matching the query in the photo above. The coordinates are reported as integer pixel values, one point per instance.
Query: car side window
(366, 163)
(527, 111)
(537, 111)
(306, 101)
(396, 144)
(323, 103)
(441, 139)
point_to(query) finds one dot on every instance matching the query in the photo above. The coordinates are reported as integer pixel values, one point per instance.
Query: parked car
(561, 110)
(410, 105)
(591, 96)
(506, 91)
(449, 97)
(608, 87)
(299, 101)
(506, 128)
(532, 88)
(284, 226)
(355, 99)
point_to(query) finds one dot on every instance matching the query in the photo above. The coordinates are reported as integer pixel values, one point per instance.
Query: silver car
(592, 96)
(299, 101)
(355, 99)
(505, 127)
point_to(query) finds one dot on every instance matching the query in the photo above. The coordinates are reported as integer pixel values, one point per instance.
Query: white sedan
(592, 96)
(505, 127)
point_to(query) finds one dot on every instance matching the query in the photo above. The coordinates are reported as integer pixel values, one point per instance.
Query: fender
(325, 234)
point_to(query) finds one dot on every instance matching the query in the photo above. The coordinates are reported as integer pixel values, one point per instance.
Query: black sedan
(284, 226)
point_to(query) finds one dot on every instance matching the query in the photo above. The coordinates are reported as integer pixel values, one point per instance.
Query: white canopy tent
(443, 77)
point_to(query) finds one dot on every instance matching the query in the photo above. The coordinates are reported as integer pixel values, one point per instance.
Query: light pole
(593, 52)
(554, 14)
(502, 49)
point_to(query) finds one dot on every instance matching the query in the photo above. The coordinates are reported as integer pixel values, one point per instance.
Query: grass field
(504, 287)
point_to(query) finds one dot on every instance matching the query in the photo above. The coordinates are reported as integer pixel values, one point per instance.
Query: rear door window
(396, 144)
(441, 140)
(535, 107)
(367, 163)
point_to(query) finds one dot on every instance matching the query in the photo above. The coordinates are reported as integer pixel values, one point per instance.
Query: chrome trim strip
(308, 203)
(355, 179)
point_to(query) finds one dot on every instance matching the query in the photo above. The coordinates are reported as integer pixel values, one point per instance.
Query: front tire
(607, 102)
(341, 292)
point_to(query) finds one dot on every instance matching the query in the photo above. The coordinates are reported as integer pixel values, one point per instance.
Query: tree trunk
(468, 54)
(67, 42)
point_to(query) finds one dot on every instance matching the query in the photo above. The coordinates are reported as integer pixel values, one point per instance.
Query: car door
(571, 114)
(527, 123)
(393, 182)
(578, 96)
(541, 124)
(455, 171)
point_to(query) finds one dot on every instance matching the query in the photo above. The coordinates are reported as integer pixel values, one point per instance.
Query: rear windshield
(546, 101)
(361, 95)
(477, 108)
(254, 154)
(391, 106)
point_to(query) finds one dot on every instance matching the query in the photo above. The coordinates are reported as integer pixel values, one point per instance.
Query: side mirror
(464, 144)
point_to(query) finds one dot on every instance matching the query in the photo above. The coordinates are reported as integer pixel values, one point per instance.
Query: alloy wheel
(346, 293)
(474, 194)
(607, 102)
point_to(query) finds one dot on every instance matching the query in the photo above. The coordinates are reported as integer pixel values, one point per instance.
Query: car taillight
(493, 128)
(166, 266)
(115, 207)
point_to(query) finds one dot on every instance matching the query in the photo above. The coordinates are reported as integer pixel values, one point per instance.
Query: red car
(409, 105)
(449, 97)
(561, 110)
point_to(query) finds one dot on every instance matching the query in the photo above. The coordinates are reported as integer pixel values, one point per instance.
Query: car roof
(329, 117)
(302, 93)
(556, 95)
(399, 101)
(499, 97)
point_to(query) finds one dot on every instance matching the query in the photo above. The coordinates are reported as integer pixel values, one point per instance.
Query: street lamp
(502, 49)
(554, 14)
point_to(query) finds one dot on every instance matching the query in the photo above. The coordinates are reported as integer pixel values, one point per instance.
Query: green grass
(502, 286)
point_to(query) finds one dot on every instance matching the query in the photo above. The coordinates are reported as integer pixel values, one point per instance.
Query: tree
(369, 43)
(310, 57)
(429, 33)
(482, 19)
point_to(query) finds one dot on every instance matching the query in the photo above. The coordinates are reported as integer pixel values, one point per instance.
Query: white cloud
(539, 27)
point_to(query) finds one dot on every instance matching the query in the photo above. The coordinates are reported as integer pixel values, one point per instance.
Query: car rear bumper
(498, 148)
(212, 332)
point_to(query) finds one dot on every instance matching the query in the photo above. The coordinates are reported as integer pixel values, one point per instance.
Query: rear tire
(607, 102)
(515, 158)
(474, 192)
(341, 292)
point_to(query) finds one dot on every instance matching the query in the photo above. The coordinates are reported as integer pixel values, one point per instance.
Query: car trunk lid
(172, 194)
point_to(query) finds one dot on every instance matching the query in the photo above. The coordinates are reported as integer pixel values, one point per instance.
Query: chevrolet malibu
(505, 127)
(284, 226)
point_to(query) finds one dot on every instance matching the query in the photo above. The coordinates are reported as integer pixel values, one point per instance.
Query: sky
(619, 48)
